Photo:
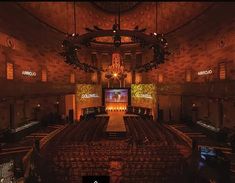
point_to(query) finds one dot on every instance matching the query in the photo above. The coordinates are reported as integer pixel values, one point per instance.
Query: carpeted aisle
(116, 122)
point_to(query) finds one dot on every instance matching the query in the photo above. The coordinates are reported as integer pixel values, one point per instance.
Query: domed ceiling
(164, 16)
(113, 7)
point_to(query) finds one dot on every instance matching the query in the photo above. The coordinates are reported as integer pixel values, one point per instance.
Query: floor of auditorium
(150, 151)
(116, 122)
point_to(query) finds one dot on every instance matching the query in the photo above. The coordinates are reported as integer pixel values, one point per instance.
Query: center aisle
(116, 122)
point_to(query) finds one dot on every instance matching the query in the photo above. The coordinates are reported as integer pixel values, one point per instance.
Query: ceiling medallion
(137, 37)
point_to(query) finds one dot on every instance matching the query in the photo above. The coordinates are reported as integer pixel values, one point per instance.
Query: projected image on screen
(116, 95)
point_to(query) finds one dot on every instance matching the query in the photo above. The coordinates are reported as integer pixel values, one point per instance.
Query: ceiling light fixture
(73, 43)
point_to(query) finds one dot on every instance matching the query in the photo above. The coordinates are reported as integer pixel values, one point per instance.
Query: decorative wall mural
(87, 95)
(144, 95)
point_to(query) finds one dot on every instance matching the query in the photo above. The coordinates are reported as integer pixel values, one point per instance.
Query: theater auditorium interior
(117, 92)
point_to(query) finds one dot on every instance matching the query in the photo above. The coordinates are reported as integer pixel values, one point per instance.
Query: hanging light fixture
(116, 28)
(73, 43)
(116, 69)
(70, 50)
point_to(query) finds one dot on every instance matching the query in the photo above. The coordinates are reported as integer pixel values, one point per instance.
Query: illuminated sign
(29, 73)
(93, 95)
(144, 96)
(200, 73)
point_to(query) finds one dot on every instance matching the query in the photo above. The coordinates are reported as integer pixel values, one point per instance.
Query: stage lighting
(117, 40)
(137, 35)
(115, 27)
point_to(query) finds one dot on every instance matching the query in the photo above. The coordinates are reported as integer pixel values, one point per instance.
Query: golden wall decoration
(87, 95)
(144, 95)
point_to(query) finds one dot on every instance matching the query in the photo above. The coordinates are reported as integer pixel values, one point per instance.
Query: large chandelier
(116, 69)
(74, 42)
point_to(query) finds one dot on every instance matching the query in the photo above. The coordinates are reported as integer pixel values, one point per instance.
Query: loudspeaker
(71, 116)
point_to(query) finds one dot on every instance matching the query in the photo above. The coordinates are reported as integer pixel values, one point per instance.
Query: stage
(116, 122)
(116, 126)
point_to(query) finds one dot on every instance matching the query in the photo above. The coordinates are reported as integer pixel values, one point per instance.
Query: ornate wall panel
(144, 95)
(87, 95)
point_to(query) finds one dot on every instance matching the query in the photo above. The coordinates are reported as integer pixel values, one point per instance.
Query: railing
(27, 158)
(32, 123)
(187, 139)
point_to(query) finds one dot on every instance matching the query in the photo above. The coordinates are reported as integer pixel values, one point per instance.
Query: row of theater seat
(157, 166)
(142, 129)
(79, 155)
(85, 131)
